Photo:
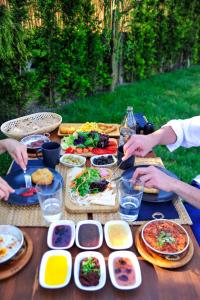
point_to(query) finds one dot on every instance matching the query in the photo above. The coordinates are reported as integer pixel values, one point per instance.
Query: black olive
(123, 278)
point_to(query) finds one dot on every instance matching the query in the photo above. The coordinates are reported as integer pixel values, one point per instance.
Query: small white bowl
(98, 224)
(12, 241)
(133, 258)
(129, 235)
(103, 166)
(43, 264)
(51, 230)
(68, 164)
(102, 264)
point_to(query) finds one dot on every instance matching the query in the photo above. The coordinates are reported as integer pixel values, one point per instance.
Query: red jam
(88, 235)
(124, 271)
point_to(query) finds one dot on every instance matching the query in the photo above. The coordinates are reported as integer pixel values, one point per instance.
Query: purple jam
(88, 235)
(62, 235)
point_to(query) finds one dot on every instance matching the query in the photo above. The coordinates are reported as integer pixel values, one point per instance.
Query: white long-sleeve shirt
(187, 132)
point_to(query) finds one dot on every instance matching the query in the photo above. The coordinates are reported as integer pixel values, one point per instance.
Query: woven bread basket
(31, 124)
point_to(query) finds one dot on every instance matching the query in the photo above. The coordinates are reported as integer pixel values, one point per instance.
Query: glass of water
(50, 199)
(130, 197)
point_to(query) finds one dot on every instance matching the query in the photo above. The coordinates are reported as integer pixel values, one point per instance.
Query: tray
(78, 125)
(74, 208)
(31, 124)
(90, 154)
(19, 261)
(158, 260)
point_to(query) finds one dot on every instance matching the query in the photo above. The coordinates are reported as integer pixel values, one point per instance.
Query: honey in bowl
(56, 270)
(118, 235)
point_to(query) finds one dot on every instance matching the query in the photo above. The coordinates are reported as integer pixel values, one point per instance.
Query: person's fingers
(17, 156)
(4, 190)
(139, 172)
(145, 179)
(129, 151)
(6, 185)
(2, 194)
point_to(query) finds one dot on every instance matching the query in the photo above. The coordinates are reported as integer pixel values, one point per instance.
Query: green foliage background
(69, 51)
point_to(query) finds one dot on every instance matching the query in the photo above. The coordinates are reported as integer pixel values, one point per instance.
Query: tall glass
(50, 199)
(130, 197)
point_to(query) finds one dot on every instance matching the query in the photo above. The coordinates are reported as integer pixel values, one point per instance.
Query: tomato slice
(69, 150)
(29, 193)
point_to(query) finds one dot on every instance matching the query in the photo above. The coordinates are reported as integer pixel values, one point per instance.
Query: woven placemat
(32, 215)
(184, 218)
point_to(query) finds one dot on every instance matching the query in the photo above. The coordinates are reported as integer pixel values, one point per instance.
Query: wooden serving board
(90, 154)
(159, 260)
(19, 261)
(114, 133)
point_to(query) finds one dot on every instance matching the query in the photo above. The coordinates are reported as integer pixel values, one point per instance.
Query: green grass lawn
(161, 98)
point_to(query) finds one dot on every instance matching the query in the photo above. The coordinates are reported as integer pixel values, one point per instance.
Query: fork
(28, 181)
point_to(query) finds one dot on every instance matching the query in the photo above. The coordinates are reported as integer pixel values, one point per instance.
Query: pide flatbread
(147, 190)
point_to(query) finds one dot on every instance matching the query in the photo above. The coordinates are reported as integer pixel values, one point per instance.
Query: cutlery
(28, 181)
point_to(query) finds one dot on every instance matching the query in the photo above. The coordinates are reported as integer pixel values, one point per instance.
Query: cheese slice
(147, 190)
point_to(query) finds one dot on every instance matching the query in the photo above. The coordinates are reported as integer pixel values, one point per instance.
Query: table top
(157, 283)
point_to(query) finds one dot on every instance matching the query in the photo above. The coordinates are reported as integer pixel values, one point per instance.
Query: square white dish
(92, 159)
(100, 230)
(136, 268)
(69, 223)
(43, 264)
(77, 262)
(127, 230)
(73, 156)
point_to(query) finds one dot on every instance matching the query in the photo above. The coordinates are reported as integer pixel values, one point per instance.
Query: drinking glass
(50, 199)
(130, 197)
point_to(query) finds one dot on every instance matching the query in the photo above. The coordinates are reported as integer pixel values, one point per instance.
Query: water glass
(130, 197)
(50, 199)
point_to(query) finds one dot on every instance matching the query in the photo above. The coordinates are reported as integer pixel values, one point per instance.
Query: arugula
(68, 141)
(89, 266)
(82, 183)
(165, 237)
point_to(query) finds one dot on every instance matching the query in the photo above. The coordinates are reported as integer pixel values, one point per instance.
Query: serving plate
(75, 156)
(11, 240)
(136, 269)
(162, 196)
(31, 141)
(56, 270)
(100, 231)
(129, 241)
(16, 180)
(51, 230)
(77, 262)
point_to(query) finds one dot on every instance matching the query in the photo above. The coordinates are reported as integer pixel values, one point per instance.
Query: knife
(20, 191)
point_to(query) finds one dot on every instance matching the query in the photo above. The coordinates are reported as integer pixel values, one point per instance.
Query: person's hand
(138, 145)
(5, 189)
(18, 152)
(152, 177)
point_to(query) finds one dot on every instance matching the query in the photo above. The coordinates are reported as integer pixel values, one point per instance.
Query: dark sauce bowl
(61, 234)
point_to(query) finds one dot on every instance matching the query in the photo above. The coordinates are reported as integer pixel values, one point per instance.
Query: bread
(42, 176)
(147, 190)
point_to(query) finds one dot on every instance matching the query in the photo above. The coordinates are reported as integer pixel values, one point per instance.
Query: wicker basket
(31, 124)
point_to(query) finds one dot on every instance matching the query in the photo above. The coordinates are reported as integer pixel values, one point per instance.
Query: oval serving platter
(162, 196)
(16, 180)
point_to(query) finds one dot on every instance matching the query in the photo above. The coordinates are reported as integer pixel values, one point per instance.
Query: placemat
(32, 216)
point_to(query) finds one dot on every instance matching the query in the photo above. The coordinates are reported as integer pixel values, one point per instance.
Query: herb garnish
(165, 237)
(89, 266)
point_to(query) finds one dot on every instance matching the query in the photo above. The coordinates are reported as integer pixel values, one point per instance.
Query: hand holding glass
(130, 197)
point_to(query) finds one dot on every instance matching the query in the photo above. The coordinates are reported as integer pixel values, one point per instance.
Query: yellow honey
(56, 270)
(118, 235)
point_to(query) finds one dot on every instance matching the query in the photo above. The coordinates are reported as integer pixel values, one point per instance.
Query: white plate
(77, 262)
(12, 239)
(43, 264)
(83, 160)
(129, 235)
(98, 224)
(136, 266)
(103, 166)
(51, 230)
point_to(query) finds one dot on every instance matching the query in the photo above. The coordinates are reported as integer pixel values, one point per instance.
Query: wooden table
(157, 283)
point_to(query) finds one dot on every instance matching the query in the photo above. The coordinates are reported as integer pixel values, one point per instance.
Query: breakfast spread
(42, 176)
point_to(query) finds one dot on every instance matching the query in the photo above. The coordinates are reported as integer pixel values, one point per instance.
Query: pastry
(42, 176)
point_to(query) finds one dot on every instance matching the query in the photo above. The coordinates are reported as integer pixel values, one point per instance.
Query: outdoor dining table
(157, 283)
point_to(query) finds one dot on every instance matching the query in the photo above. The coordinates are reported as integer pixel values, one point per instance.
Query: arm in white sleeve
(187, 133)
